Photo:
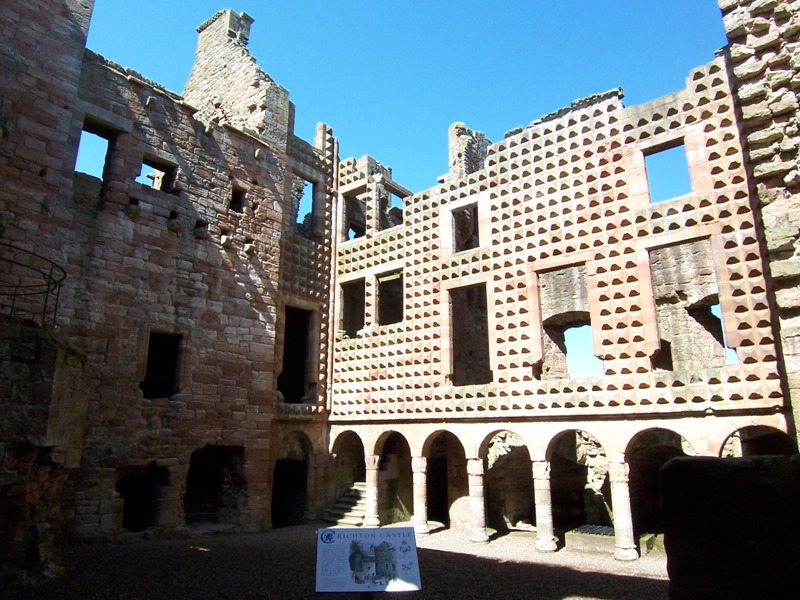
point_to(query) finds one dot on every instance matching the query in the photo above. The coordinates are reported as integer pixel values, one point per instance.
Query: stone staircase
(350, 508)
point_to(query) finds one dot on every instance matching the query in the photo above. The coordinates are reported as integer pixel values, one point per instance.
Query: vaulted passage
(509, 484)
(395, 492)
(447, 477)
(290, 482)
(216, 488)
(141, 491)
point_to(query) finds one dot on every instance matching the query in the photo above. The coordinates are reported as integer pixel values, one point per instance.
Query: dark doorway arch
(758, 440)
(446, 476)
(395, 483)
(647, 453)
(142, 489)
(509, 483)
(350, 465)
(290, 481)
(216, 486)
(579, 482)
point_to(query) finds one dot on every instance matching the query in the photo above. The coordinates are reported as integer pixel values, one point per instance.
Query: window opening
(355, 217)
(237, 200)
(353, 297)
(93, 151)
(160, 380)
(668, 173)
(469, 322)
(465, 228)
(293, 379)
(390, 298)
(158, 175)
(303, 192)
(579, 350)
(731, 357)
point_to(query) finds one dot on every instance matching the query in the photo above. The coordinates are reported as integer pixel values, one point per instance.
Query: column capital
(475, 466)
(618, 472)
(372, 461)
(541, 469)
(419, 464)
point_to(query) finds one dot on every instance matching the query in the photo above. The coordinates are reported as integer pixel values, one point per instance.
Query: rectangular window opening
(469, 322)
(293, 381)
(465, 228)
(303, 192)
(160, 380)
(237, 200)
(353, 298)
(355, 217)
(569, 348)
(390, 298)
(94, 149)
(731, 357)
(668, 172)
(391, 212)
(158, 175)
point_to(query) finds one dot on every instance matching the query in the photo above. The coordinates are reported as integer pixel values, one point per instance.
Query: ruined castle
(264, 333)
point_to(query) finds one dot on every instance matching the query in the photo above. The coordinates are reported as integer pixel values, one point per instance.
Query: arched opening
(579, 484)
(446, 477)
(216, 487)
(141, 489)
(290, 482)
(756, 440)
(350, 504)
(646, 454)
(395, 484)
(509, 483)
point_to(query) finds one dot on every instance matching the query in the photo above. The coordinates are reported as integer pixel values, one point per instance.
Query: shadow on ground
(281, 564)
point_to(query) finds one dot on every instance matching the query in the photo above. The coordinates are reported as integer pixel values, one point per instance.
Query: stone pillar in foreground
(477, 504)
(372, 519)
(624, 543)
(545, 538)
(419, 466)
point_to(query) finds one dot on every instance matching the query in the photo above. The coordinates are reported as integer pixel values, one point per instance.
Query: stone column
(546, 540)
(310, 513)
(419, 466)
(477, 505)
(624, 544)
(372, 519)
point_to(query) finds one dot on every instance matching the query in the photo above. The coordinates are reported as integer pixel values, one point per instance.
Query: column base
(626, 554)
(372, 522)
(478, 536)
(546, 544)
(422, 528)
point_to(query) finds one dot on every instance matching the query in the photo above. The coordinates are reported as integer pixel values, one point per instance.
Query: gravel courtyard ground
(281, 563)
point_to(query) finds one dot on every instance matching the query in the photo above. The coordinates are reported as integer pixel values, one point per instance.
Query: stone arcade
(221, 358)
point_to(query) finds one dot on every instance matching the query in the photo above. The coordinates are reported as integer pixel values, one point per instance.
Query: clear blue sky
(391, 76)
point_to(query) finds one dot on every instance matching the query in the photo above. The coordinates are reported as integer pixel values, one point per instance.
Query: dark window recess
(293, 380)
(390, 298)
(237, 200)
(158, 175)
(469, 319)
(465, 228)
(667, 172)
(160, 380)
(353, 296)
(355, 217)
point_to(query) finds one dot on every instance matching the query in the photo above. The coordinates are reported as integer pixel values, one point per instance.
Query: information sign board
(367, 560)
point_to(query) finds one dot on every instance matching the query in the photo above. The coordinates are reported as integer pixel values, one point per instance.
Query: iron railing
(30, 285)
